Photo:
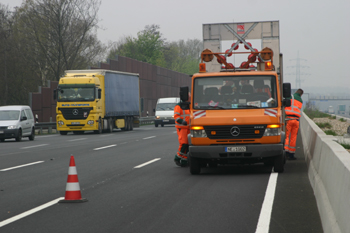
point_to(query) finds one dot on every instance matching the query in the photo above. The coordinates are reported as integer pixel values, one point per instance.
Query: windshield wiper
(211, 107)
(249, 106)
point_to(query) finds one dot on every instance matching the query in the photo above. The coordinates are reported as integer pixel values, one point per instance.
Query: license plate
(236, 149)
(75, 123)
(165, 120)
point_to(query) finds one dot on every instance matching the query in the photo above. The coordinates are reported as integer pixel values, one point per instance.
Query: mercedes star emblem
(75, 112)
(235, 131)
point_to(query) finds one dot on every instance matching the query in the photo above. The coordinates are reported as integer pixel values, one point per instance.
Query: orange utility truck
(237, 114)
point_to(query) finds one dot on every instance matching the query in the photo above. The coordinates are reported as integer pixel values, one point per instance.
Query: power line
(297, 70)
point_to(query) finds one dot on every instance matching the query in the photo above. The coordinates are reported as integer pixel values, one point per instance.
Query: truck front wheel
(99, 131)
(195, 165)
(279, 163)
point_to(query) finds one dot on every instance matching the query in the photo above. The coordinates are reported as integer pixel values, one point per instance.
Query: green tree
(183, 56)
(149, 46)
(146, 47)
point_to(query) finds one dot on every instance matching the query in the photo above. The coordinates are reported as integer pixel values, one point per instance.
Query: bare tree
(5, 35)
(58, 35)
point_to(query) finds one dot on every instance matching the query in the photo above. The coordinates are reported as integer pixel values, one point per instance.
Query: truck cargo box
(121, 94)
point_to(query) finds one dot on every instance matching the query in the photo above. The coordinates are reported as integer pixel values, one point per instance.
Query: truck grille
(75, 113)
(228, 131)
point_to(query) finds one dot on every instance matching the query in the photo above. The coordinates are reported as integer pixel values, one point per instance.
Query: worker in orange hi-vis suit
(182, 124)
(293, 114)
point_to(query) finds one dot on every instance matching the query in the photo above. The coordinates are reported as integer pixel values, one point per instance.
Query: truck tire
(155, 124)
(63, 132)
(279, 163)
(32, 136)
(110, 125)
(131, 123)
(195, 166)
(126, 127)
(99, 131)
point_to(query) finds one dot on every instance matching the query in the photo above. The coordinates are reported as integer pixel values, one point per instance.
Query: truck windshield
(235, 92)
(9, 115)
(165, 106)
(66, 94)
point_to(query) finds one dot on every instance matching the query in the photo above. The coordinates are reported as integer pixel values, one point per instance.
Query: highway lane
(158, 197)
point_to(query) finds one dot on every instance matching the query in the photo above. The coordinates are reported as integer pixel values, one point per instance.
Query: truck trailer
(97, 100)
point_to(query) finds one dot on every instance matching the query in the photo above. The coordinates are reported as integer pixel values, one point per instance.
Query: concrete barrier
(329, 174)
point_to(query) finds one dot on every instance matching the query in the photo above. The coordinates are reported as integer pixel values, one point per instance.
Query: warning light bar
(264, 63)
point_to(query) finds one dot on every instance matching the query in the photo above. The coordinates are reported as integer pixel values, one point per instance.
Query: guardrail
(329, 175)
(52, 125)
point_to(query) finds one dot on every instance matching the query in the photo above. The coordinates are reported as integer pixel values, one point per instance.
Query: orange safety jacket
(294, 111)
(265, 89)
(181, 115)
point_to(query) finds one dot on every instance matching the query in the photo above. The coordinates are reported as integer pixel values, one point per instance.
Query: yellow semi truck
(97, 100)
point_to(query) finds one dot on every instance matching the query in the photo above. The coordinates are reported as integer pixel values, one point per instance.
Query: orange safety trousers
(183, 141)
(292, 128)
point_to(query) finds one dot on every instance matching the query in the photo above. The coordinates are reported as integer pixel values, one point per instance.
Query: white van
(164, 112)
(16, 121)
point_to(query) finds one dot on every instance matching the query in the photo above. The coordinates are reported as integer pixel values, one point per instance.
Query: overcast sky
(319, 30)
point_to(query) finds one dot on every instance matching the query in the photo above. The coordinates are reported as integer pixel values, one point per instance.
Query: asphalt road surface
(132, 185)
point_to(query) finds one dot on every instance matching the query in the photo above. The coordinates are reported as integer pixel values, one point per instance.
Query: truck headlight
(198, 132)
(90, 122)
(60, 122)
(12, 127)
(272, 131)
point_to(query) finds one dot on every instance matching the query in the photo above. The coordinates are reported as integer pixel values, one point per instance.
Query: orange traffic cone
(73, 193)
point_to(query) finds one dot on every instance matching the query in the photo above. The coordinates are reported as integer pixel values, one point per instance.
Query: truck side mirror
(54, 94)
(184, 94)
(185, 105)
(99, 93)
(286, 102)
(286, 90)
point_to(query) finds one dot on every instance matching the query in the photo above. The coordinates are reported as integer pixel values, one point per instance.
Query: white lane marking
(24, 165)
(144, 164)
(34, 146)
(29, 212)
(149, 137)
(79, 139)
(100, 148)
(266, 209)
(47, 136)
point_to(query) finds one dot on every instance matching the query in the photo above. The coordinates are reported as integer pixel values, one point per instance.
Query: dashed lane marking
(144, 164)
(24, 165)
(29, 212)
(34, 146)
(101, 148)
(78, 139)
